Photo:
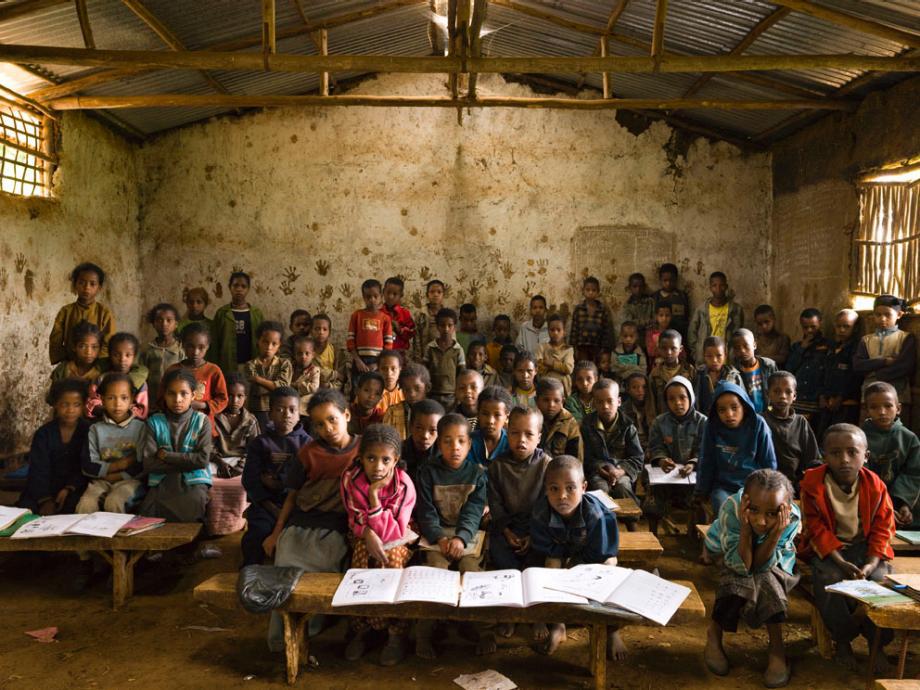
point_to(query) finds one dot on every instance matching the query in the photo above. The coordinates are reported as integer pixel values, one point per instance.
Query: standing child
(421, 446)
(640, 305)
(236, 427)
(426, 326)
(210, 392)
(580, 402)
(523, 391)
(443, 357)
(365, 410)
(86, 281)
(712, 371)
(177, 453)
(675, 298)
(506, 369)
(889, 354)
(668, 367)
(754, 533)
(415, 384)
(469, 386)
(533, 333)
(266, 371)
(793, 440)
(370, 330)
(490, 440)
(86, 365)
(770, 342)
(560, 434)
(755, 370)
(379, 498)
(591, 323)
(400, 317)
(164, 350)
(196, 301)
(234, 329)
(842, 387)
(301, 323)
(306, 376)
(807, 359)
(718, 315)
(390, 365)
(638, 406)
(628, 357)
(331, 365)
(555, 359)
(469, 326)
(501, 336)
(652, 335)
(477, 358)
(123, 349)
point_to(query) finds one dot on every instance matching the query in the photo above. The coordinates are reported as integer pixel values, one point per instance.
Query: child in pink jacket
(379, 498)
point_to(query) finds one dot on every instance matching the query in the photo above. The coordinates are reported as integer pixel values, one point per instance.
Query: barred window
(26, 160)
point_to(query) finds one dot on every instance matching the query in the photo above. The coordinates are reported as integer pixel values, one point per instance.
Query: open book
(656, 475)
(604, 498)
(910, 536)
(89, 524)
(474, 548)
(868, 592)
(9, 515)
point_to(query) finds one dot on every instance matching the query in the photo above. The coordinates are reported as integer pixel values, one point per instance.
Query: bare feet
(486, 643)
(778, 672)
(504, 629)
(556, 636)
(540, 632)
(616, 648)
(714, 655)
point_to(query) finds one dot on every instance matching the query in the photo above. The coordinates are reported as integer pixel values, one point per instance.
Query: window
(25, 152)
(886, 245)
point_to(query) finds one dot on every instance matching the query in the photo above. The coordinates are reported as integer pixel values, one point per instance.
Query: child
(712, 371)
(591, 323)
(533, 333)
(123, 348)
(490, 440)
(613, 456)
(667, 368)
(234, 329)
(770, 342)
(415, 384)
(652, 335)
(560, 434)
(443, 357)
(400, 317)
(451, 501)
(718, 315)
(210, 392)
(849, 524)
(755, 533)
(55, 481)
(164, 350)
(311, 527)
(421, 446)
(889, 354)
(86, 365)
(477, 357)
(806, 361)
(86, 281)
(267, 371)
(196, 301)
(640, 306)
(894, 452)
(736, 441)
(236, 427)
(427, 323)
(842, 386)
(331, 366)
(389, 365)
(113, 460)
(469, 386)
(793, 440)
(580, 402)
(637, 405)
(555, 359)
(469, 326)
(674, 441)
(269, 456)
(365, 409)
(604, 365)
(379, 498)
(301, 323)
(628, 357)
(523, 391)
(570, 527)
(755, 370)
(501, 336)
(506, 366)
(675, 298)
(370, 330)
(306, 375)
(177, 453)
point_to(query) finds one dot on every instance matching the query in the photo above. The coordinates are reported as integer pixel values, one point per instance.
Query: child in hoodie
(560, 434)
(712, 371)
(793, 440)
(674, 442)
(668, 366)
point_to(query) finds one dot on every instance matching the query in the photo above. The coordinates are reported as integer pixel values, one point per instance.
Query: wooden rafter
(661, 13)
(480, 8)
(28, 7)
(85, 28)
(605, 76)
(324, 50)
(269, 41)
(615, 15)
(452, 82)
(556, 19)
(851, 22)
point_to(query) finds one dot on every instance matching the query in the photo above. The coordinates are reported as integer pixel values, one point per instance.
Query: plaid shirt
(590, 330)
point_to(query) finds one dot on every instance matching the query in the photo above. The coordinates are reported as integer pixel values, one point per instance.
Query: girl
(580, 403)
(379, 498)
(122, 353)
(196, 301)
(210, 391)
(330, 366)
(525, 371)
(236, 427)
(86, 280)
(85, 365)
(176, 453)
(889, 354)
(306, 376)
(164, 350)
(426, 325)
(556, 359)
(233, 330)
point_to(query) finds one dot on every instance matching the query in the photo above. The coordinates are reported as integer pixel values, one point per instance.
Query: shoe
(354, 650)
(393, 651)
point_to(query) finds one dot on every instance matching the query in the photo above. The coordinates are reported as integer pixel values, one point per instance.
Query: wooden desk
(627, 508)
(901, 546)
(640, 549)
(903, 617)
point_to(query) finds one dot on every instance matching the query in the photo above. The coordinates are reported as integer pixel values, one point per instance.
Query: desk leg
(873, 655)
(122, 563)
(599, 656)
(902, 656)
(294, 639)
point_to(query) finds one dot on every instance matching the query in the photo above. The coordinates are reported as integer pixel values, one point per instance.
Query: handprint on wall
(20, 262)
(322, 267)
(290, 277)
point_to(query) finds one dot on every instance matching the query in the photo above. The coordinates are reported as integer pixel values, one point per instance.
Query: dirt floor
(163, 636)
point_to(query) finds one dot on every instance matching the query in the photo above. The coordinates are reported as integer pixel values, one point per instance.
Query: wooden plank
(615, 15)
(269, 44)
(892, 684)
(851, 22)
(480, 8)
(901, 546)
(605, 76)
(85, 28)
(661, 13)
(324, 50)
(627, 508)
(163, 538)
(22, 9)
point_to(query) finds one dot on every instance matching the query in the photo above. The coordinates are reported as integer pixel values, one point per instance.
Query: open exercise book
(89, 525)
(656, 475)
(9, 515)
(868, 592)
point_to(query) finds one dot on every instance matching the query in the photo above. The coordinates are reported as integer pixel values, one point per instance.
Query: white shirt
(530, 337)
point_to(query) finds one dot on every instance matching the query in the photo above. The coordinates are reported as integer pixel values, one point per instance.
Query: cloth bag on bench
(262, 588)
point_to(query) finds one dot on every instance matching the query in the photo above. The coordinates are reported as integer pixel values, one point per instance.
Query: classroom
(486, 313)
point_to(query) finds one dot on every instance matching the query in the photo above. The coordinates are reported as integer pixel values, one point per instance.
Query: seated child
(556, 359)
(234, 328)
(841, 390)
(210, 393)
(379, 498)
(580, 402)
(533, 332)
(523, 391)
(123, 349)
(674, 440)
(849, 524)
(55, 479)
(301, 323)
(86, 281)
(364, 410)
(177, 452)
(719, 315)
(770, 342)
(794, 442)
(443, 357)
(653, 334)
(401, 318)
(640, 305)
(389, 364)
(712, 371)
(506, 366)
(164, 350)
(269, 457)
(569, 527)
(451, 500)
(421, 447)
(331, 365)
(637, 405)
(236, 427)
(754, 533)
(501, 336)
(755, 370)
(426, 325)
(267, 371)
(605, 365)
(806, 362)
(311, 529)
(113, 461)
(561, 434)
(469, 386)
(306, 374)
(477, 360)
(196, 300)
(675, 299)
(628, 357)
(469, 326)
(86, 365)
(370, 330)
(415, 384)
(591, 327)
(668, 367)
(894, 452)
(490, 440)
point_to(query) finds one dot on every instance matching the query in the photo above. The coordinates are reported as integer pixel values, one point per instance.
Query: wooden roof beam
(480, 9)
(269, 41)
(615, 15)
(661, 13)
(851, 22)
(22, 9)
(85, 28)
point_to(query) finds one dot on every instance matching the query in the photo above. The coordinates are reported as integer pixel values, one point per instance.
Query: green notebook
(28, 517)
(910, 536)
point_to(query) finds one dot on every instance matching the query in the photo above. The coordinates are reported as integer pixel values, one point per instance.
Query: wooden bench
(120, 552)
(313, 595)
(903, 617)
(897, 685)
(639, 549)
(901, 546)
(627, 509)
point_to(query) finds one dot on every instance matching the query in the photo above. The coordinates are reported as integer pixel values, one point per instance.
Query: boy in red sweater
(403, 323)
(370, 330)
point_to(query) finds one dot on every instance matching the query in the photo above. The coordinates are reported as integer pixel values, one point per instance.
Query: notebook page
(434, 585)
(492, 588)
(650, 596)
(592, 581)
(101, 524)
(367, 586)
(536, 588)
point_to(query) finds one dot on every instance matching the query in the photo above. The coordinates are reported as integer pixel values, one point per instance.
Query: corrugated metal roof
(693, 27)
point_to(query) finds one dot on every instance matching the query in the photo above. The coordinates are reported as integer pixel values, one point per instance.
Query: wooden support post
(902, 652)
(480, 7)
(614, 17)
(269, 44)
(599, 656)
(295, 641)
(324, 50)
(873, 655)
(605, 76)
(85, 28)
(851, 22)
(661, 12)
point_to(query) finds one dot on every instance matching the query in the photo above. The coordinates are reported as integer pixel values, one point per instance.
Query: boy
(501, 336)
(640, 306)
(477, 357)
(842, 387)
(580, 402)
(591, 323)
(365, 410)
(807, 359)
(672, 296)
(628, 357)
(426, 325)
(718, 315)
(662, 323)
(770, 342)
(469, 326)
(668, 367)
(755, 370)
(469, 386)
(86, 281)
(389, 364)
(637, 405)
(236, 427)
(604, 370)
(793, 440)
(331, 366)
(421, 447)
(370, 330)
(268, 457)
(533, 333)
(849, 524)
(712, 371)
(233, 330)
(560, 434)
(401, 318)
(415, 383)
(555, 359)
(443, 357)
(267, 371)
(894, 452)
(451, 500)
(300, 324)
(196, 300)
(490, 440)
(306, 377)
(509, 354)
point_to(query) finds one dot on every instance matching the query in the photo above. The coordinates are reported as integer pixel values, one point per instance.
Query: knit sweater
(390, 519)
(450, 498)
